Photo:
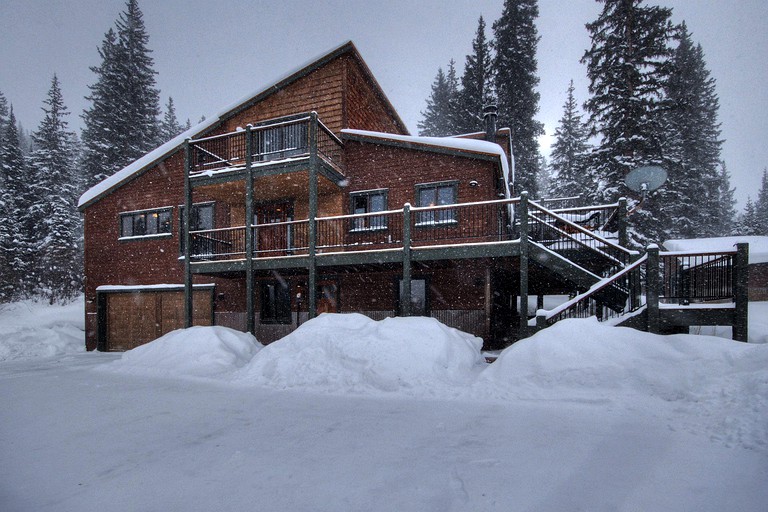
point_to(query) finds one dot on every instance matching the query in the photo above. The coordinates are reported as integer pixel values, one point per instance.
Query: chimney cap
(490, 109)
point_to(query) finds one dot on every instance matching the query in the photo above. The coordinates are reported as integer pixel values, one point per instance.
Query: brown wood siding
(320, 90)
(399, 170)
(364, 108)
(136, 318)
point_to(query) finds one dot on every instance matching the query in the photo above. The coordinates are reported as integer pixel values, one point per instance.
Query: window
(436, 194)
(145, 223)
(282, 141)
(200, 219)
(275, 302)
(419, 306)
(368, 202)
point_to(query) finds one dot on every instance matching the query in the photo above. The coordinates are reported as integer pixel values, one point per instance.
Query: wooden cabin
(311, 197)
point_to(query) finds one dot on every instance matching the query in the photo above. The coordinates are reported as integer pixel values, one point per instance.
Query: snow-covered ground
(403, 414)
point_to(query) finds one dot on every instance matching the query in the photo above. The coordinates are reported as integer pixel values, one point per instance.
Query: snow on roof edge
(164, 149)
(461, 144)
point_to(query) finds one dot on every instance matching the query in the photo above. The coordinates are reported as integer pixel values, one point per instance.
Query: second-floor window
(436, 194)
(369, 201)
(145, 223)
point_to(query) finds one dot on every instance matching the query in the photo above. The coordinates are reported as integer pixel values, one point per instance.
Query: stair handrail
(618, 255)
(545, 318)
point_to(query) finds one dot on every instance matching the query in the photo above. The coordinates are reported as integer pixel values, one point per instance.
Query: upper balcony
(286, 142)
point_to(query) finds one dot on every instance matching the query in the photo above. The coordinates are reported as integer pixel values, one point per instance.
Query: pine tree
(52, 164)
(15, 200)
(475, 84)
(515, 79)
(438, 120)
(748, 223)
(568, 160)
(122, 122)
(761, 206)
(3, 123)
(170, 126)
(694, 121)
(726, 203)
(628, 66)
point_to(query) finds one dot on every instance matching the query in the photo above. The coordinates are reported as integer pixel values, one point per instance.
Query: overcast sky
(210, 54)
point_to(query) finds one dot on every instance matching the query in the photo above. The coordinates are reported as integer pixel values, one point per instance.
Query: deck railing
(687, 277)
(676, 277)
(279, 139)
(457, 223)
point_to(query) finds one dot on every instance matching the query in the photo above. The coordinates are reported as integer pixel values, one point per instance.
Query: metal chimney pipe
(490, 113)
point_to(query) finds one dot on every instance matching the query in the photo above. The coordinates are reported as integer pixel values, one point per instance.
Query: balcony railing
(281, 139)
(434, 225)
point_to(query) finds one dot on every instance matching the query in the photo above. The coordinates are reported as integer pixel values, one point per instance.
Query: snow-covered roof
(455, 143)
(174, 144)
(758, 245)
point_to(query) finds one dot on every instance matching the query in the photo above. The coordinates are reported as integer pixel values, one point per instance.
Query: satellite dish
(646, 179)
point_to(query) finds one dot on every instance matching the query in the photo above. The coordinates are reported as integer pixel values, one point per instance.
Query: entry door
(274, 240)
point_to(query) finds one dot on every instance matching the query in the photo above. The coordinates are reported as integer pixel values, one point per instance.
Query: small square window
(436, 194)
(369, 202)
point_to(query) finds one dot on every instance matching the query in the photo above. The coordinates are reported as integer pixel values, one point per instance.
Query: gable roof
(138, 167)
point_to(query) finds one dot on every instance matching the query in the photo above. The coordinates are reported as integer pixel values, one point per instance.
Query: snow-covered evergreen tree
(122, 122)
(726, 204)
(170, 126)
(515, 80)
(761, 206)
(15, 199)
(628, 66)
(748, 223)
(52, 164)
(569, 157)
(694, 120)
(475, 84)
(439, 119)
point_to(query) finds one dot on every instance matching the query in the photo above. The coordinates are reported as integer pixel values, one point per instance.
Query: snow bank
(195, 352)
(32, 329)
(350, 353)
(585, 359)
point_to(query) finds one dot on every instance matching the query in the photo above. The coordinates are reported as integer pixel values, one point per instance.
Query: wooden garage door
(135, 318)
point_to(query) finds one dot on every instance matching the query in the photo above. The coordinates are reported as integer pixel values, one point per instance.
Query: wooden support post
(313, 171)
(621, 214)
(541, 320)
(524, 251)
(741, 293)
(249, 244)
(188, 296)
(405, 300)
(652, 288)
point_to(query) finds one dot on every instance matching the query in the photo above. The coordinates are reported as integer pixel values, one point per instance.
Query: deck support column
(188, 297)
(405, 300)
(622, 222)
(250, 311)
(652, 291)
(312, 232)
(524, 250)
(741, 293)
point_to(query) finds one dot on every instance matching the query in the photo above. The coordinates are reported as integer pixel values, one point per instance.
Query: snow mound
(350, 353)
(31, 329)
(722, 383)
(195, 352)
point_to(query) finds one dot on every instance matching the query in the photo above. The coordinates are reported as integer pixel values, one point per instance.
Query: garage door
(137, 317)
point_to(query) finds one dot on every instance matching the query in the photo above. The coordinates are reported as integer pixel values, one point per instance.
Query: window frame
(280, 312)
(368, 223)
(195, 206)
(137, 216)
(449, 217)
